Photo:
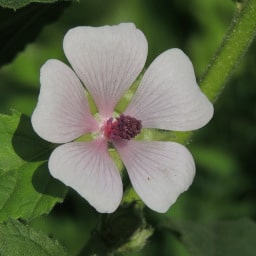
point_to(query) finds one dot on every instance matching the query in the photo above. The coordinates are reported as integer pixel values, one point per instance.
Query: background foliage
(224, 187)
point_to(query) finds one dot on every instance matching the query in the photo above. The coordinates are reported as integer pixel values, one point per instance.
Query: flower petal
(107, 59)
(62, 112)
(169, 97)
(88, 169)
(159, 171)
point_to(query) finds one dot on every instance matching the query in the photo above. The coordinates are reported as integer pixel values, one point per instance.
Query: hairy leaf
(18, 28)
(26, 188)
(16, 4)
(17, 239)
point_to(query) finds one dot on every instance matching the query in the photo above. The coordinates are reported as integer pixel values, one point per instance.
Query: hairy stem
(234, 45)
(236, 42)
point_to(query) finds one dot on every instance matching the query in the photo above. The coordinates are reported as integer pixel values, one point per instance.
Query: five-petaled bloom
(106, 61)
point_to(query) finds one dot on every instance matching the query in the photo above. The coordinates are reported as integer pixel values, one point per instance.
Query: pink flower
(107, 60)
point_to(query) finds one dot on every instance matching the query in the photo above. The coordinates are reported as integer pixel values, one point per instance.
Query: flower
(107, 60)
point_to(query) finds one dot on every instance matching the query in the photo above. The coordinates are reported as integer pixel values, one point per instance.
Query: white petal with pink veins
(88, 169)
(168, 96)
(62, 112)
(107, 59)
(159, 171)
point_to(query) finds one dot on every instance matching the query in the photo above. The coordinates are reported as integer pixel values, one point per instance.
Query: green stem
(236, 42)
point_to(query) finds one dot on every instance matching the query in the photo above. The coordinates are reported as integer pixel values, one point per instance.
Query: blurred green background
(224, 150)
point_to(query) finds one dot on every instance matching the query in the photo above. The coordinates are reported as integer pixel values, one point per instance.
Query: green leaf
(222, 238)
(16, 4)
(19, 142)
(17, 239)
(26, 188)
(17, 28)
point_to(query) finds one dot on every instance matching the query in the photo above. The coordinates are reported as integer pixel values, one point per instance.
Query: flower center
(122, 127)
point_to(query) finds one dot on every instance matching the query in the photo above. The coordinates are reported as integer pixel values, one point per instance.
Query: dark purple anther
(123, 127)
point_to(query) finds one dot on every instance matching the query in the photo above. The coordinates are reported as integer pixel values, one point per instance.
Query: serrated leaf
(26, 188)
(19, 142)
(221, 238)
(17, 239)
(17, 28)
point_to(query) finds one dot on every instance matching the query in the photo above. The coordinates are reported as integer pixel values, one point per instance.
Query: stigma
(123, 127)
